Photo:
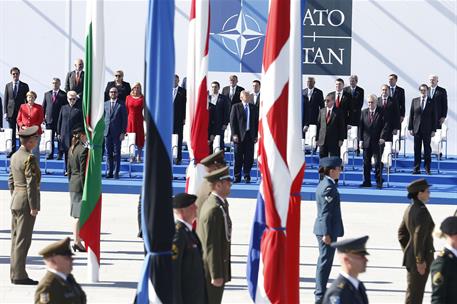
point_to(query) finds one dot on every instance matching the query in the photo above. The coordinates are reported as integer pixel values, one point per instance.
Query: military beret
(27, 132)
(356, 245)
(61, 247)
(183, 200)
(449, 225)
(215, 158)
(218, 175)
(330, 162)
(418, 185)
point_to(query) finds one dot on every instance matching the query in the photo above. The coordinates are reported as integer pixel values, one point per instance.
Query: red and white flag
(273, 258)
(197, 116)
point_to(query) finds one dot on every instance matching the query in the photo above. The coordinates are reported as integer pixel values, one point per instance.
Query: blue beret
(330, 162)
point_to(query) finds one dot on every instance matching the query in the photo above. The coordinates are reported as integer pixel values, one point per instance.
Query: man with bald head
(75, 80)
(438, 95)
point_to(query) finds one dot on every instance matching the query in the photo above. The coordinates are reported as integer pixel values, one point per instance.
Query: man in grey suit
(115, 128)
(75, 80)
(422, 125)
(14, 96)
(439, 97)
(331, 129)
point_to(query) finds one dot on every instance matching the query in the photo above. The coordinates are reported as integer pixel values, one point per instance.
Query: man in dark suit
(422, 125)
(256, 93)
(123, 87)
(75, 81)
(416, 240)
(219, 115)
(328, 226)
(347, 288)
(189, 284)
(357, 98)
(14, 96)
(373, 131)
(390, 110)
(439, 97)
(232, 91)
(52, 103)
(331, 129)
(179, 115)
(343, 102)
(313, 102)
(115, 128)
(397, 94)
(244, 120)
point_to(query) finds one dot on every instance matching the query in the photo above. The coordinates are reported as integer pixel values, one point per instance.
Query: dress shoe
(109, 175)
(116, 176)
(50, 157)
(247, 179)
(379, 185)
(177, 162)
(59, 157)
(365, 185)
(65, 173)
(27, 281)
(416, 172)
(237, 180)
(77, 247)
(428, 172)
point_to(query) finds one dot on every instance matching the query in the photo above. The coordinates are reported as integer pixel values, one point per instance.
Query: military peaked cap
(418, 185)
(356, 245)
(61, 247)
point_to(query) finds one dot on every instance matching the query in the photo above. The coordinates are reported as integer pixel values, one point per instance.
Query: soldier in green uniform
(214, 228)
(416, 240)
(24, 185)
(58, 286)
(188, 275)
(444, 268)
(347, 288)
(211, 162)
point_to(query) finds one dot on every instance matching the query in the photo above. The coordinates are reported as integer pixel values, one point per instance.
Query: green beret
(183, 200)
(218, 175)
(27, 132)
(419, 185)
(215, 158)
(61, 247)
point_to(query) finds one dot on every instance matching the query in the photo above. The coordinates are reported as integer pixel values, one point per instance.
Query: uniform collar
(218, 196)
(333, 181)
(58, 273)
(189, 226)
(451, 249)
(355, 282)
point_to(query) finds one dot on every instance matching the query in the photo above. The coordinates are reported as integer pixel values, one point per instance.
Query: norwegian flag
(273, 258)
(197, 117)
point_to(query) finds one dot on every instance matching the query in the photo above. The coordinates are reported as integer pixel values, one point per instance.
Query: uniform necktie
(328, 116)
(15, 85)
(423, 103)
(338, 101)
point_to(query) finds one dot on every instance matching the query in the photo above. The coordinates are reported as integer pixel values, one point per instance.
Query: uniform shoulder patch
(341, 285)
(174, 251)
(44, 298)
(437, 278)
(441, 253)
(178, 225)
(335, 300)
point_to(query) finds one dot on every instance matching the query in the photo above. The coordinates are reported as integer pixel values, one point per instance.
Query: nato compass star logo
(241, 35)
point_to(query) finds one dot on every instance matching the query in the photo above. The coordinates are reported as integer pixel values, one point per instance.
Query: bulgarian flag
(93, 108)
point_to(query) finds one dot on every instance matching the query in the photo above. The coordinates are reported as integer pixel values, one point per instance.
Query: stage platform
(444, 182)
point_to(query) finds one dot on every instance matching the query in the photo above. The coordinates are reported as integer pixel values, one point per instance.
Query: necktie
(328, 116)
(77, 78)
(310, 93)
(423, 103)
(384, 102)
(371, 117)
(54, 95)
(232, 89)
(112, 106)
(392, 92)
(432, 92)
(338, 101)
(15, 89)
(353, 92)
(246, 112)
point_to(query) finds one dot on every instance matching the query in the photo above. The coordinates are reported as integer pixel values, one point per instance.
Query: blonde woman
(135, 104)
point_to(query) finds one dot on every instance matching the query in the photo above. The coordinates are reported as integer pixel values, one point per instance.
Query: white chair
(309, 143)
(217, 144)
(402, 136)
(352, 143)
(444, 130)
(174, 145)
(256, 159)
(345, 158)
(437, 145)
(6, 144)
(228, 142)
(46, 146)
(386, 159)
(128, 149)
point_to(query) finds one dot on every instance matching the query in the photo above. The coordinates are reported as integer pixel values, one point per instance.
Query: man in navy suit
(179, 115)
(313, 101)
(115, 128)
(329, 224)
(52, 103)
(357, 94)
(219, 115)
(14, 96)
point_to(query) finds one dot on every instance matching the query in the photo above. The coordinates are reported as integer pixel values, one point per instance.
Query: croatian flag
(273, 258)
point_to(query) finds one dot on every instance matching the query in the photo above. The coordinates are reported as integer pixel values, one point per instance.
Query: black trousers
(13, 126)
(425, 139)
(180, 136)
(244, 156)
(53, 140)
(329, 150)
(376, 151)
(221, 143)
(113, 153)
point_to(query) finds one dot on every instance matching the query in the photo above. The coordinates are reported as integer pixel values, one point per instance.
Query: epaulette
(178, 225)
(174, 251)
(441, 253)
(341, 285)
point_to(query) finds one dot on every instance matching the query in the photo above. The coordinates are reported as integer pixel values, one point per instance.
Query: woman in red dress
(135, 104)
(31, 114)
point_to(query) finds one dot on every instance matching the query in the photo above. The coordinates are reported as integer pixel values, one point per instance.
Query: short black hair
(340, 80)
(394, 76)
(15, 69)
(215, 82)
(413, 195)
(256, 81)
(423, 85)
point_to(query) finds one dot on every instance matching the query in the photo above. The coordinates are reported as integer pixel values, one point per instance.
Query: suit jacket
(11, 104)
(115, 119)
(399, 99)
(423, 121)
(444, 278)
(52, 109)
(70, 118)
(256, 102)
(440, 101)
(189, 283)
(328, 220)
(179, 110)
(357, 98)
(311, 107)
(71, 85)
(236, 97)
(345, 105)
(342, 291)
(214, 228)
(415, 235)
(219, 114)
(24, 181)
(391, 113)
(238, 121)
(1, 113)
(122, 91)
(77, 168)
(371, 131)
(53, 289)
(335, 130)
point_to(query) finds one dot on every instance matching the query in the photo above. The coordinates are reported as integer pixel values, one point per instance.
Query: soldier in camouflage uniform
(24, 185)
